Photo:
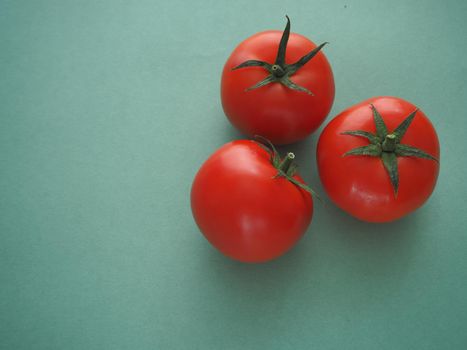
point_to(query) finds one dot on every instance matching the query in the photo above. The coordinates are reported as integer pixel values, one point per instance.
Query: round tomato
(249, 203)
(283, 101)
(379, 160)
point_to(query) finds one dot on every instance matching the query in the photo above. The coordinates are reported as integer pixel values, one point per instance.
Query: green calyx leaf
(281, 72)
(265, 81)
(269, 147)
(409, 151)
(390, 163)
(370, 150)
(286, 166)
(368, 135)
(399, 132)
(387, 146)
(381, 129)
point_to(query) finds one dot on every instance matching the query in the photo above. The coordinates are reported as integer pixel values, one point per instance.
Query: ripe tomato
(283, 101)
(248, 203)
(378, 160)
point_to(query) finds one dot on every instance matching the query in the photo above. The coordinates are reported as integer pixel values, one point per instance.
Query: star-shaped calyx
(387, 146)
(280, 72)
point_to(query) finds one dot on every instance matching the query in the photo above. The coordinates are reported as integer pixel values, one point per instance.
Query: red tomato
(282, 110)
(243, 209)
(384, 179)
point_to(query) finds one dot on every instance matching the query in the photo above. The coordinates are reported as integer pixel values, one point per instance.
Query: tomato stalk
(286, 166)
(287, 162)
(277, 70)
(389, 143)
(280, 72)
(387, 146)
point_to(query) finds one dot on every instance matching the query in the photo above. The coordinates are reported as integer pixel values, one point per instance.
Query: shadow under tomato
(337, 259)
(372, 254)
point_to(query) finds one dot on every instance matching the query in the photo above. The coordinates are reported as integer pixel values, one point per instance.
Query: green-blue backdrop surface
(107, 110)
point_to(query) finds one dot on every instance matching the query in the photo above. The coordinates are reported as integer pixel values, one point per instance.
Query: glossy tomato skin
(242, 210)
(274, 111)
(360, 185)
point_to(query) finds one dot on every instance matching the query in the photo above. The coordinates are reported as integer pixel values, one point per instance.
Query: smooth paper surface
(108, 109)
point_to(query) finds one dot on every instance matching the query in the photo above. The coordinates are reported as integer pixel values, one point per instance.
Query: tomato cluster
(378, 160)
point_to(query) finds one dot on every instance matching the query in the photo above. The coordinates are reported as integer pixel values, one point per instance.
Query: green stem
(389, 143)
(277, 70)
(287, 162)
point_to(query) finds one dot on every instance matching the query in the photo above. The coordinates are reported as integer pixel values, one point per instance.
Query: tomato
(283, 101)
(379, 160)
(249, 204)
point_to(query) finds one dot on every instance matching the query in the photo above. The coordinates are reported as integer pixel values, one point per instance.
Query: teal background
(107, 110)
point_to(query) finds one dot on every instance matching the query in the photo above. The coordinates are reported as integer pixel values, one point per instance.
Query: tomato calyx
(285, 166)
(387, 146)
(280, 72)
